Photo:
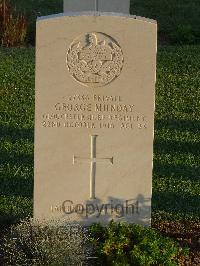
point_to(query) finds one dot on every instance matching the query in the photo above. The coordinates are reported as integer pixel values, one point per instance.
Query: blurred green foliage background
(178, 20)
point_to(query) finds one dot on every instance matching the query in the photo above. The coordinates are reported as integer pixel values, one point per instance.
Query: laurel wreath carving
(96, 63)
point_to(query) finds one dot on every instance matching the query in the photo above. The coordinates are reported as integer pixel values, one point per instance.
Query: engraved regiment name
(94, 111)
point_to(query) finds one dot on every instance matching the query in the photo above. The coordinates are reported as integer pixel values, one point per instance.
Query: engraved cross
(93, 160)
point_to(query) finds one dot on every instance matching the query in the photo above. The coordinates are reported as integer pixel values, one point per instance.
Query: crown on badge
(95, 50)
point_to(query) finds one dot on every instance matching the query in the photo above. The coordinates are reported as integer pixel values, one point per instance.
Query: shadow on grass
(176, 203)
(13, 209)
(172, 146)
(16, 159)
(181, 125)
(16, 175)
(16, 186)
(178, 171)
(17, 133)
(162, 146)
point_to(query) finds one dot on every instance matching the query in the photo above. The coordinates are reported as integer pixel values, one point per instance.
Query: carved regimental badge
(94, 59)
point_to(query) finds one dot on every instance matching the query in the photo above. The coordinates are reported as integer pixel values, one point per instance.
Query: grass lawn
(176, 179)
(16, 133)
(176, 183)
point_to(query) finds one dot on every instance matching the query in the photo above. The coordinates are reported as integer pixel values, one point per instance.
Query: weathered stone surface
(95, 85)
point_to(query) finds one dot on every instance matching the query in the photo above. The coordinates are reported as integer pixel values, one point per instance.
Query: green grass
(176, 183)
(16, 133)
(178, 20)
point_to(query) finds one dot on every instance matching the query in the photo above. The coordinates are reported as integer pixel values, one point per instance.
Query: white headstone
(118, 6)
(94, 124)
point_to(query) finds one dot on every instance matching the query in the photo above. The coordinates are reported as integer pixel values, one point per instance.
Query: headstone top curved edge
(93, 13)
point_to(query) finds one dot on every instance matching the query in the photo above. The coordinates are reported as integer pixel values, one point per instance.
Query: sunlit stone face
(95, 84)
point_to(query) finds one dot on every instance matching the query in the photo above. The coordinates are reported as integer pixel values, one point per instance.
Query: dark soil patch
(187, 233)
